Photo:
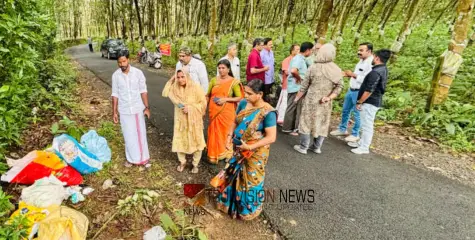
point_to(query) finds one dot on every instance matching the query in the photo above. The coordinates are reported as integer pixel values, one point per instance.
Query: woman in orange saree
(223, 95)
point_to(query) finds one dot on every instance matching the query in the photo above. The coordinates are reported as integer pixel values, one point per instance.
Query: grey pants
(292, 114)
(305, 142)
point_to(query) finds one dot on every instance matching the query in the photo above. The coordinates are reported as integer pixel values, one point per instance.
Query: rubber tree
(286, 19)
(322, 26)
(405, 30)
(252, 19)
(368, 12)
(386, 15)
(448, 8)
(337, 34)
(450, 61)
(213, 6)
(139, 20)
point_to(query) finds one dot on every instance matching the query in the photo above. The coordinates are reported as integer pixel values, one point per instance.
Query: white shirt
(197, 71)
(361, 70)
(89, 41)
(235, 66)
(128, 89)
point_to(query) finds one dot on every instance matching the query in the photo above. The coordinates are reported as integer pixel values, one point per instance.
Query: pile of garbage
(54, 175)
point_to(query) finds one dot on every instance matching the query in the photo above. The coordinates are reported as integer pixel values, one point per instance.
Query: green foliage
(14, 229)
(34, 76)
(67, 126)
(108, 130)
(5, 205)
(179, 228)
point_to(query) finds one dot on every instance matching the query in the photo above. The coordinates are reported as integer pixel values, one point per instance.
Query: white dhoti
(135, 136)
(281, 106)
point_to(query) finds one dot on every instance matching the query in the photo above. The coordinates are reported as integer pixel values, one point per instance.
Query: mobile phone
(181, 105)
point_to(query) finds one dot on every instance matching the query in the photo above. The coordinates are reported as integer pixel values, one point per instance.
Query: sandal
(195, 170)
(180, 167)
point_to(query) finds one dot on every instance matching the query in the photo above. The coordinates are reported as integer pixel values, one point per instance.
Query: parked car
(110, 48)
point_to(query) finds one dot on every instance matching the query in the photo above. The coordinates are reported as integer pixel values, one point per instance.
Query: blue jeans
(349, 105)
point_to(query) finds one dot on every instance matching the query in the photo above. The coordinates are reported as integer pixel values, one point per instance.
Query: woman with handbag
(241, 183)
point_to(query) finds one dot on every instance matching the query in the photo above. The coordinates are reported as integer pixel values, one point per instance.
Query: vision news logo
(198, 197)
(277, 199)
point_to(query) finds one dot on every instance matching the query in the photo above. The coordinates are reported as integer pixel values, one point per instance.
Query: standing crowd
(241, 124)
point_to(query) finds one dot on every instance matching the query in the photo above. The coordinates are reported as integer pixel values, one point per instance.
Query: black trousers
(292, 114)
(90, 48)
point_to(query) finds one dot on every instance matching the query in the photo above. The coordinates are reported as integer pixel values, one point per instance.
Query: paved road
(356, 197)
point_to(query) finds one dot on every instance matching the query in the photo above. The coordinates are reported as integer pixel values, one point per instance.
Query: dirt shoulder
(161, 177)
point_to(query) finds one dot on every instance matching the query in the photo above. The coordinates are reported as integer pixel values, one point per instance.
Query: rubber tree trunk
(405, 30)
(252, 19)
(337, 34)
(386, 17)
(450, 61)
(443, 11)
(322, 26)
(213, 6)
(136, 2)
(360, 10)
(368, 12)
(286, 18)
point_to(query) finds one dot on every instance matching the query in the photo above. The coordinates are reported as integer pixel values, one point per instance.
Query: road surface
(354, 196)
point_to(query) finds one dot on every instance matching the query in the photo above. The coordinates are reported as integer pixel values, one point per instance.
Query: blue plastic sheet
(97, 145)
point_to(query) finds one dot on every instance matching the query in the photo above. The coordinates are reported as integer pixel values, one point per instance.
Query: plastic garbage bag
(97, 145)
(39, 164)
(75, 193)
(33, 214)
(155, 233)
(76, 155)
(63, 224)
(45, 192)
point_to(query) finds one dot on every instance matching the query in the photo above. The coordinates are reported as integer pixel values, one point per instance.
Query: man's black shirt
(375, 83)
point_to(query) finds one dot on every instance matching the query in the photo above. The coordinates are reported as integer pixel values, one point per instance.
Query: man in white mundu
(130, 101)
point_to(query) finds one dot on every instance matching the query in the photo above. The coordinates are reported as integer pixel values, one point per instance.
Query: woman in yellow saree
(223, 95)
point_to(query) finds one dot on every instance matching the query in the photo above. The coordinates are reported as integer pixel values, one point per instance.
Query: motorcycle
(152, 59)
(142, 55)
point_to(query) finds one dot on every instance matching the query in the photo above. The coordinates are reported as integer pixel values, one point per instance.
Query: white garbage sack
(44, 192)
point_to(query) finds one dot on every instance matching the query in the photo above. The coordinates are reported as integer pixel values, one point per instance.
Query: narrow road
(354, 197)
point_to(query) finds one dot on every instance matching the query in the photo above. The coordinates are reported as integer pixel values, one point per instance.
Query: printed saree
(242, 194)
